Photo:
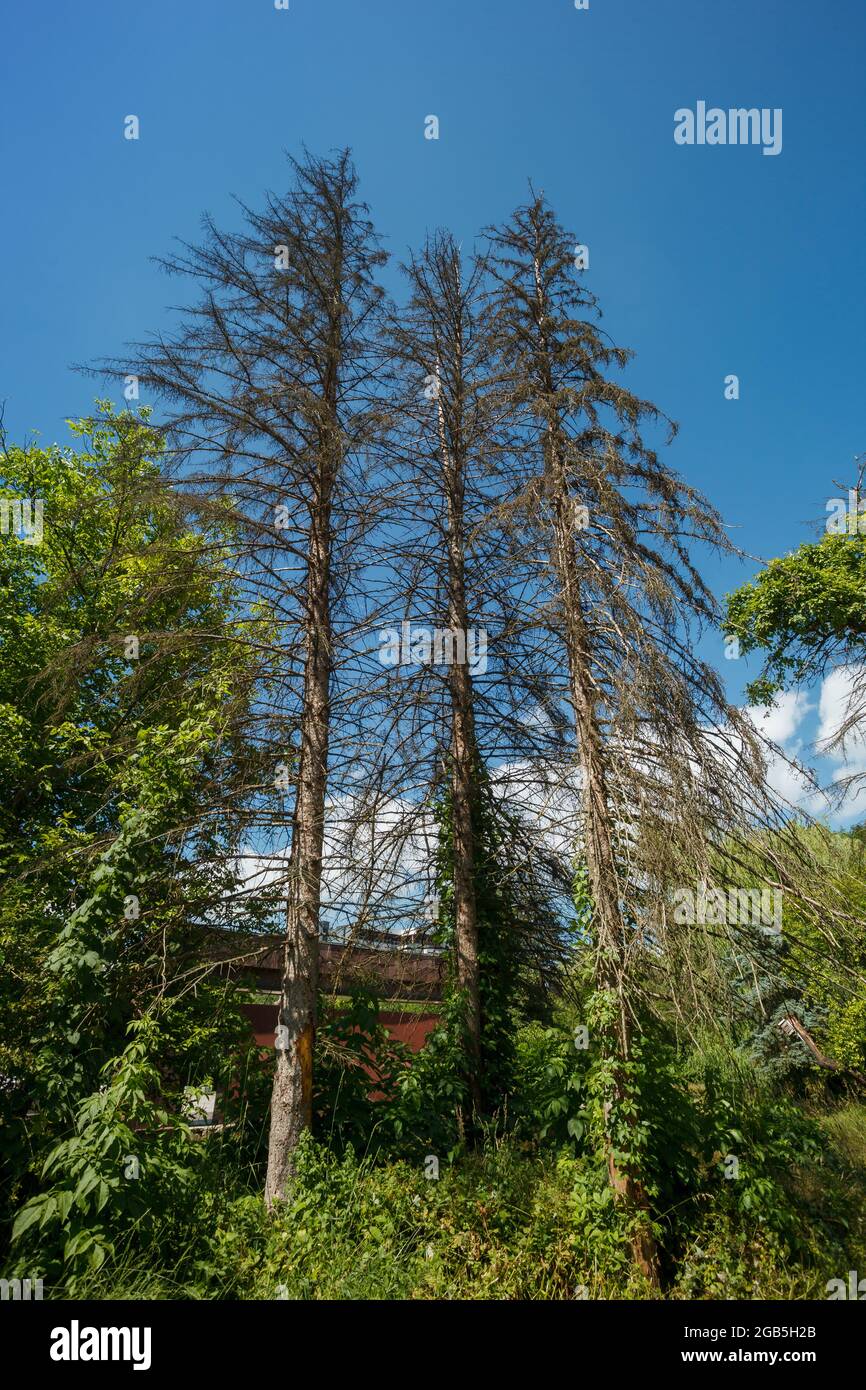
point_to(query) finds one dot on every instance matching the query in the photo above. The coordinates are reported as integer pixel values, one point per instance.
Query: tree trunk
(600, 858)
(292, 1095)
(463, 769)
(601, 867)
(791, 1024)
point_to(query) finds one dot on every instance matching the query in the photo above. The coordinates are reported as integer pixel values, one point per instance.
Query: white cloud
(779, 722)
(792, 785)
(843, 698)
(842, 695)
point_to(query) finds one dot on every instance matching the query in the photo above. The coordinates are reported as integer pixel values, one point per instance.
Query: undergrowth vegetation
(382, 1209)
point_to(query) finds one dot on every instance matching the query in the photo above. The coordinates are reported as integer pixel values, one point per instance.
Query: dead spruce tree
(610, 532)
(466, 703)
(448, 425)
(272, 381)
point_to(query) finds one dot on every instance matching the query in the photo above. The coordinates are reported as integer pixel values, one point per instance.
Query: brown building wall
(409, 1028)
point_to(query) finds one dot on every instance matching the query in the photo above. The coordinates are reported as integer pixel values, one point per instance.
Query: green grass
(506, 1223)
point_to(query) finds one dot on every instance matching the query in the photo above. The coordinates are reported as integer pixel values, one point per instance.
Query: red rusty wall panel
(411, 1029)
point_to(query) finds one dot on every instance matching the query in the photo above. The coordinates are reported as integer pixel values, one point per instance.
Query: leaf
(85, 1187)
(77, 1244)
(49, 1208)
(28, 1216)
(64, 1204)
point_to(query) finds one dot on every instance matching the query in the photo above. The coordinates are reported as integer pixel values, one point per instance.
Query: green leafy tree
(805, 611)
(123, 684)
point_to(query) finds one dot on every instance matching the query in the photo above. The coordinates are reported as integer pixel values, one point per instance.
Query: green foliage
(803, 610)
(358, 1072)
(550, 1089)
(833, 972)
(426, 1114)
(127, 1160)
(513, 1220)
(518, 942)
(107, 868)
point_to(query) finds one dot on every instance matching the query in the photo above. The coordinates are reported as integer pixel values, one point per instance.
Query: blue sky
(707, 260)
